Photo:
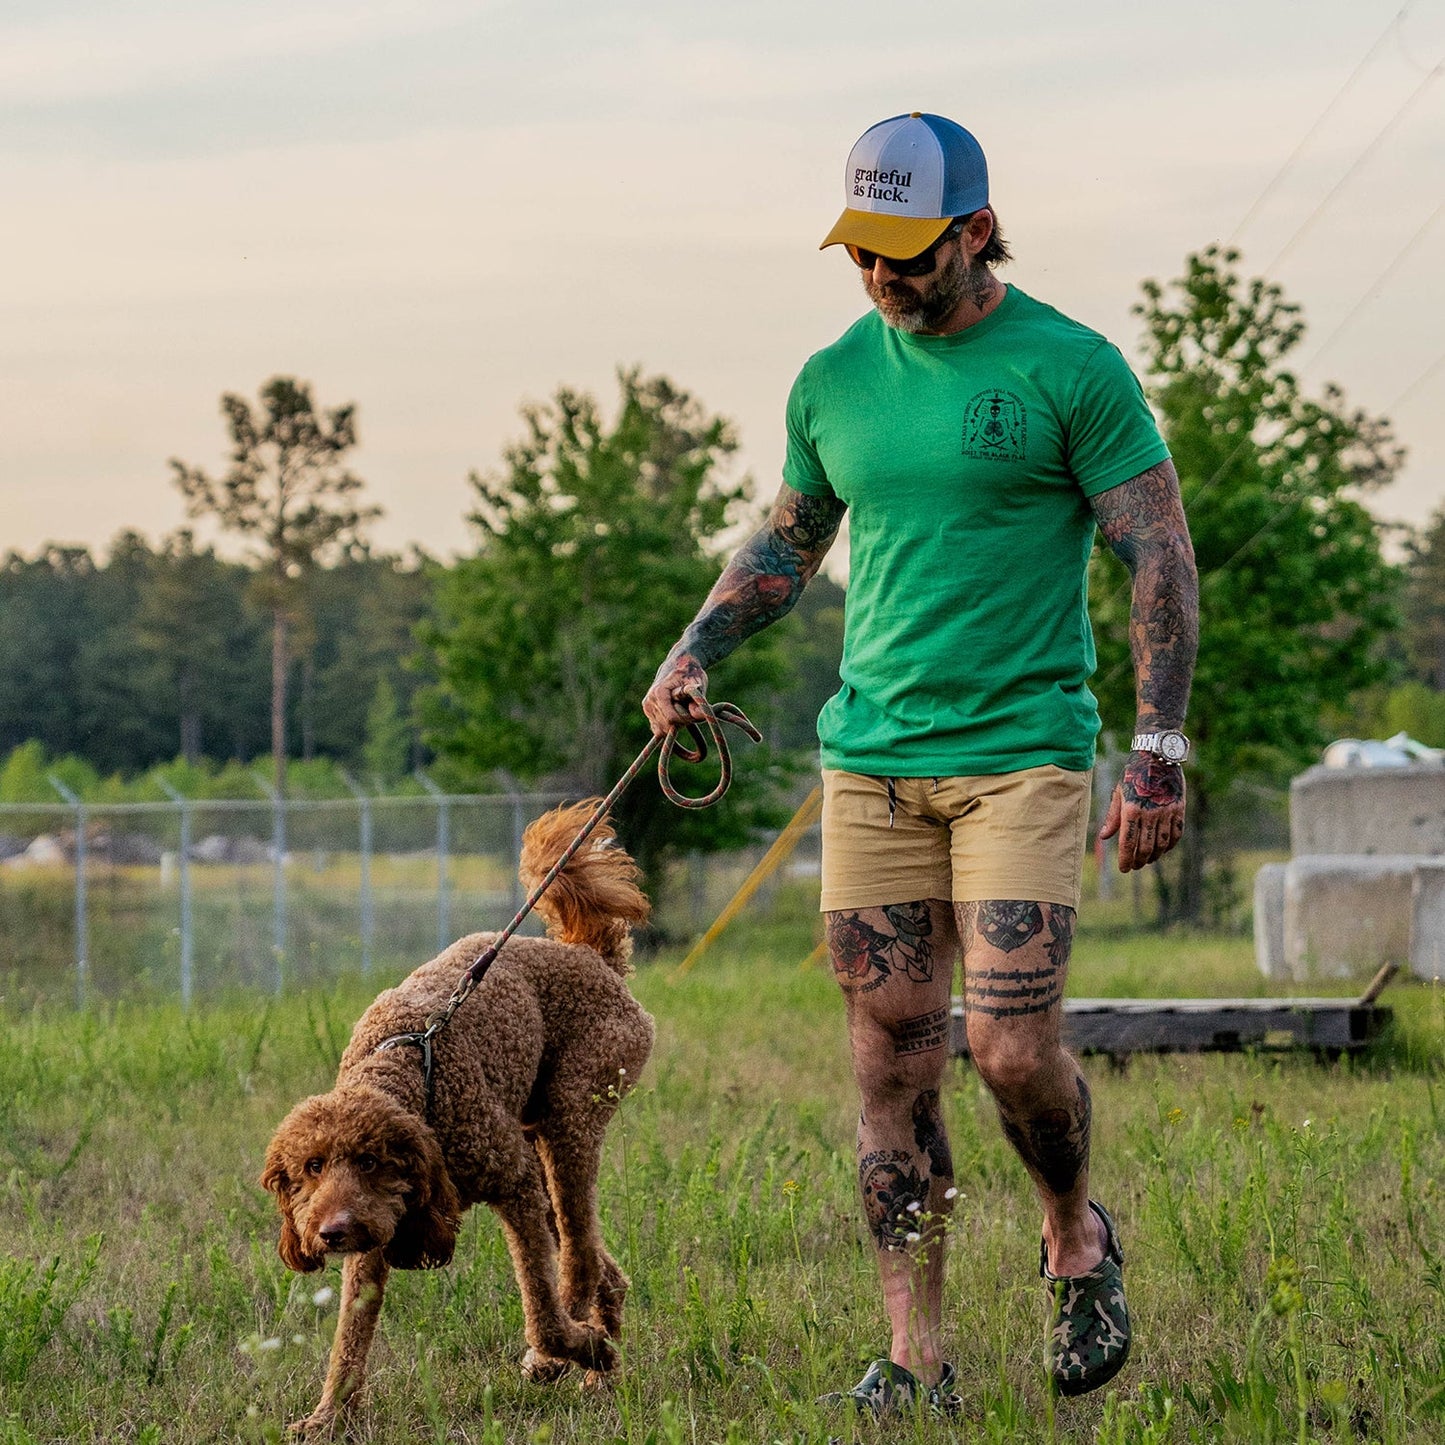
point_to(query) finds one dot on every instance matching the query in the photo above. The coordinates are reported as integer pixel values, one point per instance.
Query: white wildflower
(950, 1193)
(323, 1297)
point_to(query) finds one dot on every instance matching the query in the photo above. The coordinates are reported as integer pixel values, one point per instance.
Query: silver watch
(1172, 746)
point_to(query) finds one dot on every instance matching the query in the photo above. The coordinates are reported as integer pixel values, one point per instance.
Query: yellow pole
(814, 958)
(783, 845)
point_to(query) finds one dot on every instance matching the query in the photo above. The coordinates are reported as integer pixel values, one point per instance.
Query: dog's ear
(276, 1179)
(426, 1235)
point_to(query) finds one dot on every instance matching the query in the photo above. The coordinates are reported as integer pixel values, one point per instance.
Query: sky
(443, 209)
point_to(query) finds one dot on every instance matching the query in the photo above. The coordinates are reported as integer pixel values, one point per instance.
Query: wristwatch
(1172, 746)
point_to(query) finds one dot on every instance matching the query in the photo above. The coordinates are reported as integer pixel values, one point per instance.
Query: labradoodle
(525, 1079)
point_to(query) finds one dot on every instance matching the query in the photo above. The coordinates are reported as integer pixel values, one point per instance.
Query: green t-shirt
(966, 463)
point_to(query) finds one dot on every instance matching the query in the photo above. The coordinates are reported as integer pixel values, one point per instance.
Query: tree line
(603, 528)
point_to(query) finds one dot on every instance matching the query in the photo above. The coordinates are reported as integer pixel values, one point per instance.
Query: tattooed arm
(1143, 521)
(759, 585)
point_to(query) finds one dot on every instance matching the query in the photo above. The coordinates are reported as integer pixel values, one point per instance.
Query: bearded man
(975, 438)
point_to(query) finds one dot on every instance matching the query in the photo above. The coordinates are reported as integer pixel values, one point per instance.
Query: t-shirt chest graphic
(996, 426)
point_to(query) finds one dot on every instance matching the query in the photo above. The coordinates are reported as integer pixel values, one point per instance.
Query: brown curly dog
(526, 1077)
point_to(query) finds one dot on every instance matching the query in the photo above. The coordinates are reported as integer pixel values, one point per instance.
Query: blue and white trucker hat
(908, 177)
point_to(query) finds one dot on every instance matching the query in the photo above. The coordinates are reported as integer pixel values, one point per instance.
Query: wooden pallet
(1195, 1025)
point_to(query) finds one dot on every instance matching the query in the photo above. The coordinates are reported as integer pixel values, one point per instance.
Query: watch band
(1169, 744)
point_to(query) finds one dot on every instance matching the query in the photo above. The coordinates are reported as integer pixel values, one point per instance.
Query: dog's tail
(595, 899)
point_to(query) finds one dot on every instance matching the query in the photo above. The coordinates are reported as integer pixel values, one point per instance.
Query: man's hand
(669, 703)
(1147, 810)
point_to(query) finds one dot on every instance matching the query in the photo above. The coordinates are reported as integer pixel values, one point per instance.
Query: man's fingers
(1146, 835)
(1111, 818)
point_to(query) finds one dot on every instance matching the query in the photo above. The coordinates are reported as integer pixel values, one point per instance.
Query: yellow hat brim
(896, 237)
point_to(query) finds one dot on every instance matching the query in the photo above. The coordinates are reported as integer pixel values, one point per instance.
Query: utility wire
(1419, 381)
(1320, 119)
(1365, 155)
(1379, 285)
(1371, 293)
(1280, 512)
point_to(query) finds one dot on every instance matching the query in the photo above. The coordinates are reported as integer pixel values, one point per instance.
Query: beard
(909, 309)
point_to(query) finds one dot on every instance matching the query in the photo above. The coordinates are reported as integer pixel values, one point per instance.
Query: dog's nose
(333, 1233)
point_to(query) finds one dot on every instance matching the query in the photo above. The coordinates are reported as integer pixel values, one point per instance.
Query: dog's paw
(593, 1349)
(598, 1382)
(319, 1425)
(543, 1369)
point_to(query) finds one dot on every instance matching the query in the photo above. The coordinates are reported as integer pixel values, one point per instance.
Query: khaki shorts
(1005, 835)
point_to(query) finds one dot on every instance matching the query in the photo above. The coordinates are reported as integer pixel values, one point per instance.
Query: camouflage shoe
(889, 1389)
(1089, 1334)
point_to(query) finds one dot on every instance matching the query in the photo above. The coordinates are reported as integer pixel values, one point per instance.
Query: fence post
(82, 924)
(518, 828)
(278, 876)
(368, 919)
(187, 931)
(444, 843)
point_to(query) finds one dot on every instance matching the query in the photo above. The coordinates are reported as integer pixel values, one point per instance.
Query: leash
(713, 716)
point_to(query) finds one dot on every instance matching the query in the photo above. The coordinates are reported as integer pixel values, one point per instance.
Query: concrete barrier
(1370, 811)
(1427, 921)
(1269, 920)
(1345, 916)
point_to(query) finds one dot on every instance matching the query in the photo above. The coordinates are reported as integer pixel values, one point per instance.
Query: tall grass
(1282, 1221)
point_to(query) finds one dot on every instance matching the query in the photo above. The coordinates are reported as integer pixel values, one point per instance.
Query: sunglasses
(920, 265)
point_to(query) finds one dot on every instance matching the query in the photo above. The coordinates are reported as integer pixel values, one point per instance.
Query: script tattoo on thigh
(1009, 923)
(930, 1136)
(921, 1034)
(889, 1182)
(1054, 1144)
(864, 958)
(1002, 993)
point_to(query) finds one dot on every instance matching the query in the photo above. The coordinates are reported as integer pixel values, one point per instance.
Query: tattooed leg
(895, 966)
(1016, 956)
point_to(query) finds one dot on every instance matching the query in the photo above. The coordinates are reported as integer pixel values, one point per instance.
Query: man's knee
(1011, 1061)
(888, 1062)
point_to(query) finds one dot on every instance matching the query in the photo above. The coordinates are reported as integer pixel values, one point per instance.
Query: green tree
(76, 676)
(1425, 601)
(366, 610)
(289, 494)
(192, 617)
(388, 736)
(597, 544)
(1295, 595)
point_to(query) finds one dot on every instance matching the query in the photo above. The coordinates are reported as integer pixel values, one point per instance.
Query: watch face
(1174, 747)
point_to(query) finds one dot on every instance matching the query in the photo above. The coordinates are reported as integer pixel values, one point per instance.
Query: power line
(1365, 155)
(1320, 119)
(1379, 284)
(1419, 381)
(1279, 514)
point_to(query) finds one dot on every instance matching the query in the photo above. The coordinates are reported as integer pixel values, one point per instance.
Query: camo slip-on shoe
(1089, 1335)
(889, 1389)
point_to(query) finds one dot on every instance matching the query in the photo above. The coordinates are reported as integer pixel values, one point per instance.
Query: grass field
(1282, 1220)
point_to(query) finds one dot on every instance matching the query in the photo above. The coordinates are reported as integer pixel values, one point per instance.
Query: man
(975, 437)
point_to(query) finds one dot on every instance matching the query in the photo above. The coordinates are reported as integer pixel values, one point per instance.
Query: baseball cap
(907, 178)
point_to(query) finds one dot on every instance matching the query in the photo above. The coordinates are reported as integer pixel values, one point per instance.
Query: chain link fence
(189, 898)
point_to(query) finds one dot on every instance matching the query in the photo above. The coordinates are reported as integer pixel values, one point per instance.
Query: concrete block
(1427, 921)
(1370, 811)
(1344, 917)
(1269, 920)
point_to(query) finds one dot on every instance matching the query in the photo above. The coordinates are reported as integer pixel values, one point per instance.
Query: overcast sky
(439, 209)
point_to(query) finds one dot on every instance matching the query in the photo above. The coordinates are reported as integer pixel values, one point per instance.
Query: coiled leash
(713, 715)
